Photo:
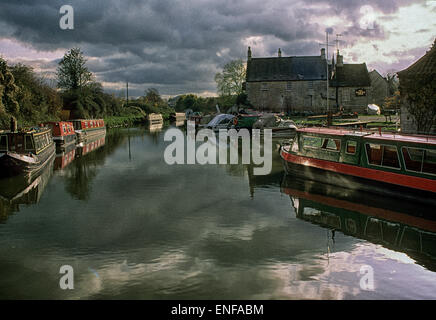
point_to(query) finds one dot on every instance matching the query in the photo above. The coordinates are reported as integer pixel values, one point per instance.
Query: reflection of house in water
(22, 189)
(380, 221)
(258, 181)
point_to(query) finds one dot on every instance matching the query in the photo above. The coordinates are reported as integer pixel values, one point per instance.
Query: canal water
(133, 227)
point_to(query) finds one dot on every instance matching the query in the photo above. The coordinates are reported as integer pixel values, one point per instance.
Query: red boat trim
(361, 172)
(385, 214)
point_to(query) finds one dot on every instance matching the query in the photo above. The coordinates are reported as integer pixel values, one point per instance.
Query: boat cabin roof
(27, 130)
(372, 135)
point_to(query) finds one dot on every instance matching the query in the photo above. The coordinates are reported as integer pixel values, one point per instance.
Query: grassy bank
(123, 121)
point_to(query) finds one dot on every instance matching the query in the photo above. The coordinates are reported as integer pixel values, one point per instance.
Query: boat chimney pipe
(14, 126)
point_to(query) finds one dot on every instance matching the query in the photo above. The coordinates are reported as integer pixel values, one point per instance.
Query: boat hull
(296, 168)
(83, 135)
(12, 164)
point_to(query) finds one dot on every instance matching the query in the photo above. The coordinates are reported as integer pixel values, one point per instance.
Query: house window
(289, 86)
(345, 95)
(264, 87)
(310, 85)
(381, 155)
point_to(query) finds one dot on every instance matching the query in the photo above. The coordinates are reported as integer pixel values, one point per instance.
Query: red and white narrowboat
(63, 133)
(86, 129)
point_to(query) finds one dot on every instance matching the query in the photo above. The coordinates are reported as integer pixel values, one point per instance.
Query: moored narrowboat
(25, 151)
(86, 129)
(63, 133)
(378, 162)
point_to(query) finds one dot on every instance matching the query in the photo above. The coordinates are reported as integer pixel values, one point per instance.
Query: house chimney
(323, 54)
(249, 54)
(339, 60)
(280, 53)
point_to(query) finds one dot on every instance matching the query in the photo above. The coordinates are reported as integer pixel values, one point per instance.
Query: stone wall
(379, 88)
(297, 96)
(288, 96)
(350, 102)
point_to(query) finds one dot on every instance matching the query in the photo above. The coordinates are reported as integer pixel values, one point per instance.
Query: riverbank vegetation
(31, 100)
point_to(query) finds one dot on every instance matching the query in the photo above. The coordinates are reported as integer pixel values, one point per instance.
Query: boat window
(332, 144)
(413, 158)
(351, 147)
(420, 160)
(390, 157)
(29, 142)
(429, 165)
(312, 142)
(382, 155)
(3, 143)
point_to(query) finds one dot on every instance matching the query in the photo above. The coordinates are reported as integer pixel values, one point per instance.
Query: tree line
(30, 98)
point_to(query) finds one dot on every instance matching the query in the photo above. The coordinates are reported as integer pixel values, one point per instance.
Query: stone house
(352, 86)
(295, 84)
(424, 68)
(286, 84)
(379, 88)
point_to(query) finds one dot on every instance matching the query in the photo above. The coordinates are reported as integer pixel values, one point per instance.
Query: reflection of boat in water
(25, 151)
(180, 123)
(155, 127)
(392, 164)
(65, 156)
(280, 128)
(23, 189)
(90, 145)
(398, 225)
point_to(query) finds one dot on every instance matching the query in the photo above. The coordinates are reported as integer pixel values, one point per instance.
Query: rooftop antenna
(337, 41)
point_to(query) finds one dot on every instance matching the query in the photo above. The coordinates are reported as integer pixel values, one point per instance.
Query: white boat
(220, 121)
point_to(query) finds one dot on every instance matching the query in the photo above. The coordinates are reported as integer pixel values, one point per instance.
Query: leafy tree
(38, 101)
(393, 82)
(230, 80)
(72, 73)
(152, 98)
(8, 90)
(393, 102)
(421, 100)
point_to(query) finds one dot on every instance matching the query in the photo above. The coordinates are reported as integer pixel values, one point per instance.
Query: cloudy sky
(177, 46)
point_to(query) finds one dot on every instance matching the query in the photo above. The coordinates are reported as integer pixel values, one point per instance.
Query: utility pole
(337, 41)
(329, 117)
(127, 93)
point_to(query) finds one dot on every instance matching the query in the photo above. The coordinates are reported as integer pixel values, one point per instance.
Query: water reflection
(155, 231)
(403, 226)
(65, 156)
(23, 189)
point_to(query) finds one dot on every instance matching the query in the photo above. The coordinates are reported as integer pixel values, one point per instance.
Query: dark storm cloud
(172, 44)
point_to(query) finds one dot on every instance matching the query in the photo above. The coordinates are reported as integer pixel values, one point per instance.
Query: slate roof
(351, 75)
(286, 69)
(425, 65)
